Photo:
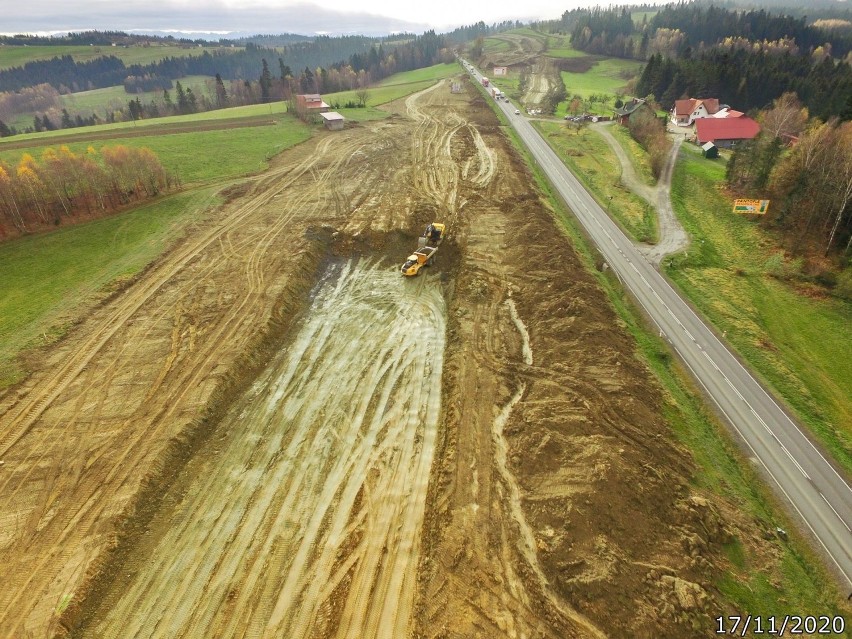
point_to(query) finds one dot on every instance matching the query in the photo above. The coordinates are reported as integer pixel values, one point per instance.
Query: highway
(817, 493)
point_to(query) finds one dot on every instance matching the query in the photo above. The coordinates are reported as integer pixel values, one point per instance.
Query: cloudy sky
(269, 16)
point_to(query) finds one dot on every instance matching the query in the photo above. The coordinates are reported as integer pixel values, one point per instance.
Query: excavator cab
(434, 233)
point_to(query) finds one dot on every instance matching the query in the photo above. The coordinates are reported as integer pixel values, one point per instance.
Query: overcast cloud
(371, 17)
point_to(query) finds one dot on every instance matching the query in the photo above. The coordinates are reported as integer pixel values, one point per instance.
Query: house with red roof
(685, 112)
(725, 132)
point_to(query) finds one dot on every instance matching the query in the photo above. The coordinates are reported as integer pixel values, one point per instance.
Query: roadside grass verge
(591, 159)
(50, 279)
(783, 577)
(795, 337)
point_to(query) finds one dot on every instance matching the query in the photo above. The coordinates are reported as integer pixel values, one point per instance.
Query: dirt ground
(271, 433)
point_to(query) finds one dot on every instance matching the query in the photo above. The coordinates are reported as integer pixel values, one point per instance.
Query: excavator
(427, 246)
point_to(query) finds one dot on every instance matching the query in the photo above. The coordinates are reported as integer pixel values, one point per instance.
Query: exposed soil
(273, 434)
(542, 77)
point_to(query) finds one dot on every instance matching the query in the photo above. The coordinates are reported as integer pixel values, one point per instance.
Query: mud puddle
(307, 522)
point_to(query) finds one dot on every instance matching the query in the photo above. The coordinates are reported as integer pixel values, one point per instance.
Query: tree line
(36, 194)
(709, 25)
(745, 58)
(810, 183)
(66, 75)
(750, 78)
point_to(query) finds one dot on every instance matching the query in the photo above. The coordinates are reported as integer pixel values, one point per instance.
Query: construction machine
(427, 246)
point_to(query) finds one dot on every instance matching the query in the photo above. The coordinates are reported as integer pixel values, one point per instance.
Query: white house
(685, 112)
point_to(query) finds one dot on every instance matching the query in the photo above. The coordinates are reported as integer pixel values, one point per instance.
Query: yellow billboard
(754, 207)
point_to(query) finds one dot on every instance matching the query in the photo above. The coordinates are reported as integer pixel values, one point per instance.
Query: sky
(371, 17)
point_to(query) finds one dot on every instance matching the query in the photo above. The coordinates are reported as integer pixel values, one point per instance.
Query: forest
(36, 194)
(750, 78)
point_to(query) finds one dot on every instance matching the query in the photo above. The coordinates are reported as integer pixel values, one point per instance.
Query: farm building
(498, 71)
(311, 103)
(709, 150)
(333, 121)
(685, 112)
(625, 113)
(726, 132)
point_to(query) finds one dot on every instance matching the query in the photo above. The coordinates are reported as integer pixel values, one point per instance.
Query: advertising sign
(754, 207)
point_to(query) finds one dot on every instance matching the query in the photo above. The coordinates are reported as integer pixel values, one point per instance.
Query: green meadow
(18, 55)
(606, 76)
(98, 99)
(394, 87)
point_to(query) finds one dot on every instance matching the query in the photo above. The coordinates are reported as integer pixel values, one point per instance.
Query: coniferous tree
(221, 94)
(167, 101)
(191, 101)
(182, 101)
(265, 82)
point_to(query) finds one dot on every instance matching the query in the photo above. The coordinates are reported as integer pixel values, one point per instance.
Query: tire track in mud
(526, 541)
(49, 424)
(309, 525)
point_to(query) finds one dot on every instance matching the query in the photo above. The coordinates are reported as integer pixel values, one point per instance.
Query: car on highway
(517, 111)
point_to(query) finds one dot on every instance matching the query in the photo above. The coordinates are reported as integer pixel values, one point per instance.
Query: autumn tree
(786, 118)
(814, 185)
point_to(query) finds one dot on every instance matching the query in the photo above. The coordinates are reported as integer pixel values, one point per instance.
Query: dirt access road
(272, 434)
(673, 237)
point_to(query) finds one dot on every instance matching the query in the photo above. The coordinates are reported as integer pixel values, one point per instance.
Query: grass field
(11, 56)
(396, 86)
(594, 163)
(560, 47)
(48, 278)
(796, 581)
(491, 46)
(98, 99)
(205, 156)
(606, 76)
(795, 337)
(638, 156)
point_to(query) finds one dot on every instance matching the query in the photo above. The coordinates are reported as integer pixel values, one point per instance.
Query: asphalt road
(805, 479)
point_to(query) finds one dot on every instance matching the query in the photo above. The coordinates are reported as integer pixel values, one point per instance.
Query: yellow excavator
(427, 247)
